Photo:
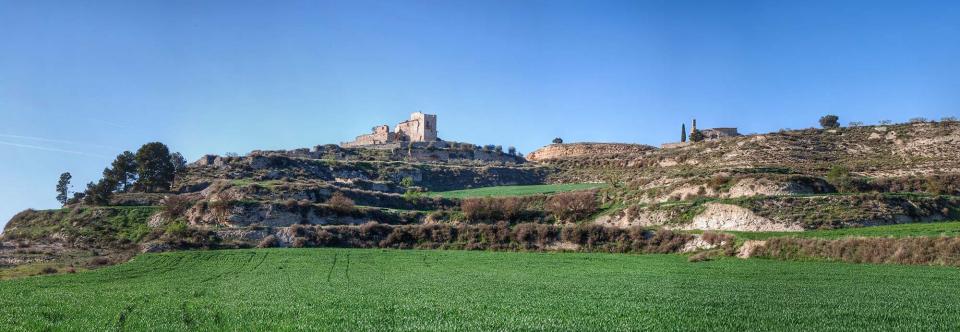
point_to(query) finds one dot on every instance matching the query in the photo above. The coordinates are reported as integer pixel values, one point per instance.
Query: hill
(396, 196)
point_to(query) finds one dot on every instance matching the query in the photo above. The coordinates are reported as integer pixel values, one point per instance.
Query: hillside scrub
(499, 236)
(572, 206)
(907, 250)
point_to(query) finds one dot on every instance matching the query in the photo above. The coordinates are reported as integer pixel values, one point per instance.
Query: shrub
(299, 242)
(49, 270)
(715, 238)
(908, 250)
(702, 256)
(175, 206)
(696, 136)
(558, 140)
(829, 121)
(572, 206)
(269, 241)
(340, 203)
(492, 208)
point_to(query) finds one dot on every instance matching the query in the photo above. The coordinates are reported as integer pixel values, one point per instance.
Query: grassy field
(359, 289)
(951, 228)
(501, 191)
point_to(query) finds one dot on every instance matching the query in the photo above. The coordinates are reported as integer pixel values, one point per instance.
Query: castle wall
(420, 128)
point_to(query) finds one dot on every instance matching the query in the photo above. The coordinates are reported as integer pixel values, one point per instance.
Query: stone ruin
(709, 134)
(420, 128)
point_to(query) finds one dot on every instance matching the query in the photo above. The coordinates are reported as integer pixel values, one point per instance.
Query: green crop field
(951, 228)
(501, 191)
(362, 289)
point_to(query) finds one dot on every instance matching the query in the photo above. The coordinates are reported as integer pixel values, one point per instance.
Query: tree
(839, 177)
(696, 136)
(63, 188)
(123, 171)
(558, 140)
(512, 151)
(830, 121)
(683, 132)
(179, 162)
(99, 193)
(154, 169)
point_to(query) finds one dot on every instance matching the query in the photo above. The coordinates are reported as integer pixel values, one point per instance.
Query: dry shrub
(269, 241)
(909, 250)
(341, 203)
(299, 242)
(492, 208)
(716, 238)
(702, 256)
(572, 206)
(175, 206)
(499, 236)
(100, 261)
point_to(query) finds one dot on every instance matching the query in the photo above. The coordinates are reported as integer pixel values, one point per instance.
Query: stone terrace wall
(579, 150)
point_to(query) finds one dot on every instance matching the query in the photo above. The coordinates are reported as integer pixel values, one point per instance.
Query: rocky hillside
(789, 181)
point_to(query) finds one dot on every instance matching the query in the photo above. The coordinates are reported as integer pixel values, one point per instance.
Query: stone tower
(693, 127)
(420, 128)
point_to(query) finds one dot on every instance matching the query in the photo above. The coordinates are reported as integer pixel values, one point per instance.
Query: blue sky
(80, 81)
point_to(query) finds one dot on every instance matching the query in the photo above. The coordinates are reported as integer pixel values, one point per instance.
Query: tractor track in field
(121, 320)
(262, 259)
(347, 270)
(231, 272)
(332, 266)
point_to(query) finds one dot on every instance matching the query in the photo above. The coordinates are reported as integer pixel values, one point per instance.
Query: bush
(572, 206)
(268, 242)
(340, 203)
(175, 206)
(830, 121)
(908, 250)
(299, 242)
(702, 256)
(492, 208)
(715, 238)
(49, 270)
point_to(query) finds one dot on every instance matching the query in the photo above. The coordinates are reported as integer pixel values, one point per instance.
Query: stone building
(708, 135)
(420, 128)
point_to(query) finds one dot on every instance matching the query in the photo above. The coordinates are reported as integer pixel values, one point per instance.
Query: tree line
(151, 169)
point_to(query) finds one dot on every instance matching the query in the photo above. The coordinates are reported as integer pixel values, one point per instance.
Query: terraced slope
(351, 289)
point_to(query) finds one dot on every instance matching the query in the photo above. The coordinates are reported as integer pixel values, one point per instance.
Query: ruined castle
(420, 128)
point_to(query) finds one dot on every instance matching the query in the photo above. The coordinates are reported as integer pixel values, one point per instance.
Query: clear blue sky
(81, 81)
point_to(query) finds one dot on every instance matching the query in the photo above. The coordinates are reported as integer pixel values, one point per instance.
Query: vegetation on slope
(502, 191)
(951, 228)
(346, 289)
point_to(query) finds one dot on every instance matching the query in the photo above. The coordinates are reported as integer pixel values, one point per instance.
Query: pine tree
(123, 171)
(154, 168)
(63, 188)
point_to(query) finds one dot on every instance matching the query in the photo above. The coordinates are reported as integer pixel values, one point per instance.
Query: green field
(361, 289)
(951, 228)
(501, 191)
